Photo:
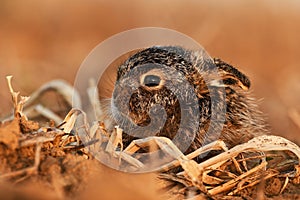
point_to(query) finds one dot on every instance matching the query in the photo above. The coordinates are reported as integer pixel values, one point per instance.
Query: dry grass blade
(284, 185)
(115, 140)
(47, 113)
(18, 105)
(260, 143)
(217, 145)
(230, 184)
(68, 92)
(254, 180)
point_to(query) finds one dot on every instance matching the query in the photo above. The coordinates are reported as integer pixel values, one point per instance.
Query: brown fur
(243, 120)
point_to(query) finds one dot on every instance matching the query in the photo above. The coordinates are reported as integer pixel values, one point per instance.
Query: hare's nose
(151, 80)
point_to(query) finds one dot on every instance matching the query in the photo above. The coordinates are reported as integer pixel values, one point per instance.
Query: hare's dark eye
(152, 80)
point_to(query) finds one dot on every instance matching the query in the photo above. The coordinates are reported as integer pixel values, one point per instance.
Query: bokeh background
(45, 40)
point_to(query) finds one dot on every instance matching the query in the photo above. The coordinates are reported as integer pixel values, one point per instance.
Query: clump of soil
(61, 173)
(58, 170)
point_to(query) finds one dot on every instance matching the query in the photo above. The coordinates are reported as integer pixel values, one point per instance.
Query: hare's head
(166, 91)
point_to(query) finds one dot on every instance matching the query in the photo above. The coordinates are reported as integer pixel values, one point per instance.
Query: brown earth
(45, 40)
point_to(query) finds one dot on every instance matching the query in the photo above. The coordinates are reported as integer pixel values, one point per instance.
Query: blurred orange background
(45, 40)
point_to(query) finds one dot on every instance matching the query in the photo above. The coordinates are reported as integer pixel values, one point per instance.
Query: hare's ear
(231, 76)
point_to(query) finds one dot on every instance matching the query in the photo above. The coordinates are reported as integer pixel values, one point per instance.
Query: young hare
(174, 92)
